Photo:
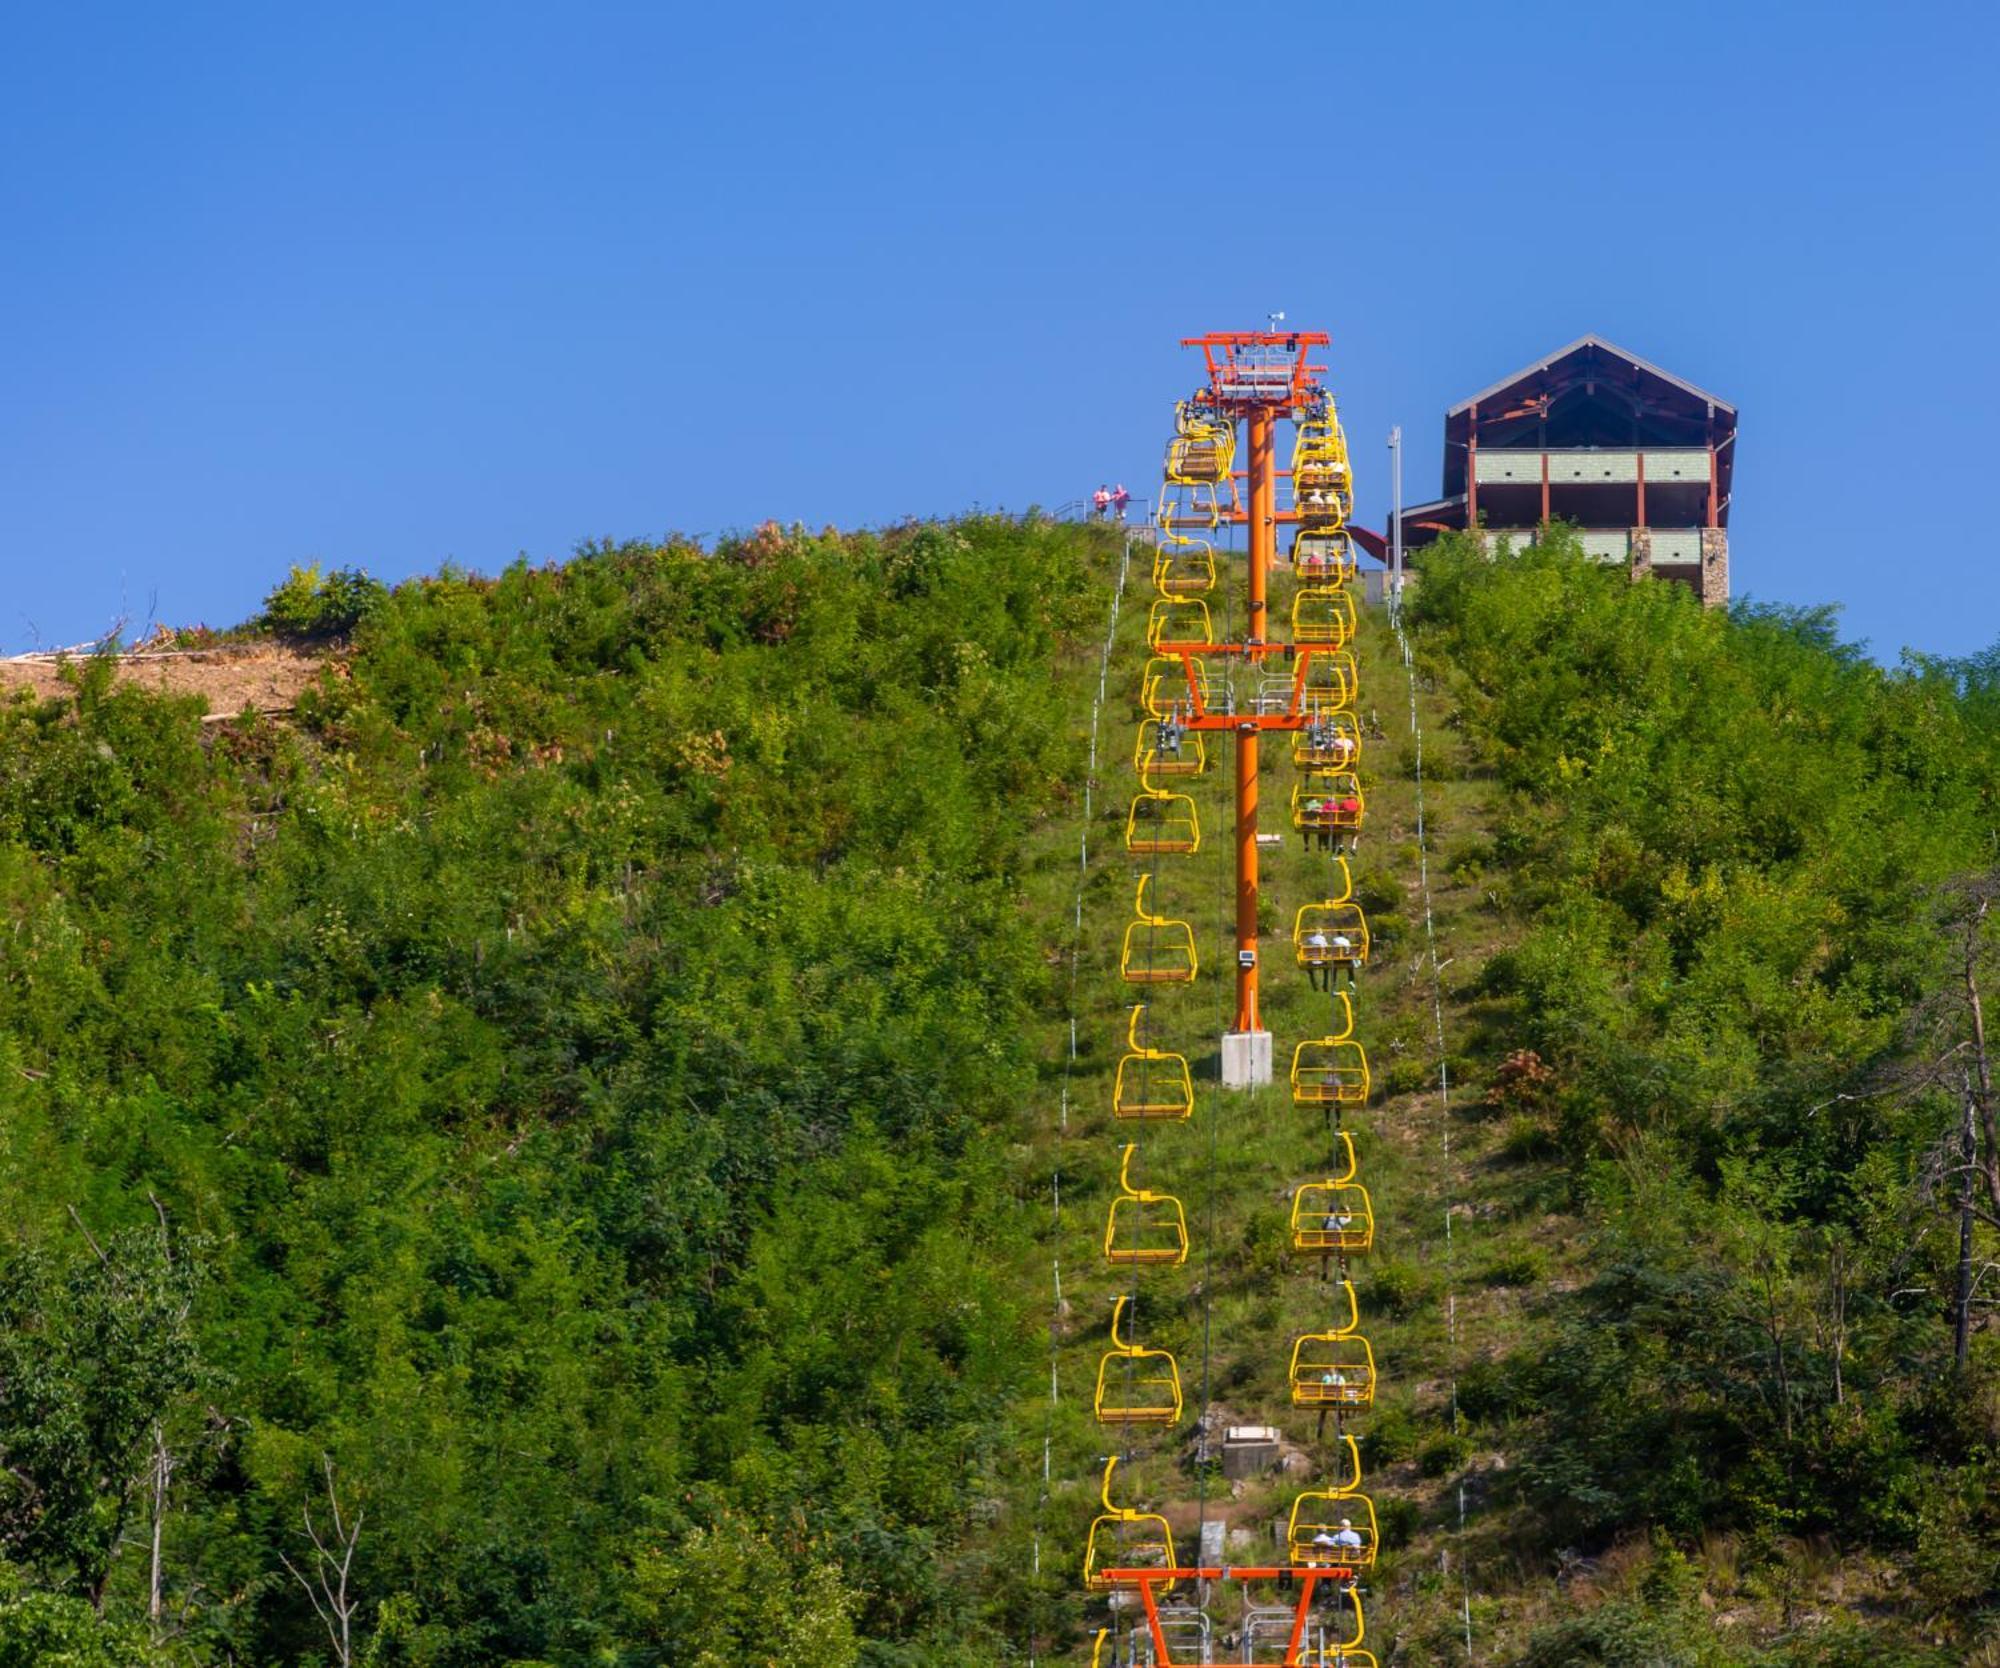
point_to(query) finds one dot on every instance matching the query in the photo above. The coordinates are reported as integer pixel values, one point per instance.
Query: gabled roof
(1578, 346)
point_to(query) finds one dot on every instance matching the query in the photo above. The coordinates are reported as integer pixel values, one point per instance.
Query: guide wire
(1444, 1108)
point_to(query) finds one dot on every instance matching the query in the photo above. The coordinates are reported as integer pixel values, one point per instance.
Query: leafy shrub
(311, 606)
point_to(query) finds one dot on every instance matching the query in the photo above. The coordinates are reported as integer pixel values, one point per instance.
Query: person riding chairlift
(1317, 970)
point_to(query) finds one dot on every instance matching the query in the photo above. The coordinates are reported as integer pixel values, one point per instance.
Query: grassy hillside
(1704, 890)
(589, 1098)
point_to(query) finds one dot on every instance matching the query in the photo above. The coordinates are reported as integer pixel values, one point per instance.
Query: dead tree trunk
(1968, 1164)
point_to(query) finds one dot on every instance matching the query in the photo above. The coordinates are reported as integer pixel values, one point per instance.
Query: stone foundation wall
(1714, 567)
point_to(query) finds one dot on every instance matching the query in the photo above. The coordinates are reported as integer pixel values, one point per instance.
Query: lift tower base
(1246, 1059)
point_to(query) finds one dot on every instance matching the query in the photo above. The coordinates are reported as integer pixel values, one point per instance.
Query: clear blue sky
(392, 285)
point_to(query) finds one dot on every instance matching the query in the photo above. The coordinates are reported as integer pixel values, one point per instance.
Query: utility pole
(1396, 522)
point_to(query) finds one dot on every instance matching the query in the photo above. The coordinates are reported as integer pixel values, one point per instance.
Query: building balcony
(1594, 466)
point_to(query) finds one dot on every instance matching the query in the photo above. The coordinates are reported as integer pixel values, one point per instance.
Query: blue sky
(395, 285)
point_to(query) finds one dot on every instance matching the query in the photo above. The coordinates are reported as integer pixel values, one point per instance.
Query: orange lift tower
(1255, 378)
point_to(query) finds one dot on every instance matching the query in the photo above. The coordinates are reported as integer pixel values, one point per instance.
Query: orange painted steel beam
(1246, 878)
(1263, 551)
(1307, 1576)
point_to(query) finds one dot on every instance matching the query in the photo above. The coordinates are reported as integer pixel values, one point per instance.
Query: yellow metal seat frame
(1328, 801)
(1334, 743)
(1149, 761)
(1136, 1385)
(1180, 620)
(1332, 682)
(1323, 557)
(1331, 1070)
(1319, 1518)
(1123, 1539)
(1335, 1368)
(1335, 919)
(1189, 504)
(1143, 1228)
(1183, 567)
(1333, 1216)
(1157, 950)
(1151, 1083)
(1323, 614)
(1163, 822)
(1164, 688)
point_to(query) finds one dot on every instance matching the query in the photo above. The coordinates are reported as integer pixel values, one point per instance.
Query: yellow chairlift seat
(1157, 950)
(1178, 620)
(1188, 504)
(1136, 1385)
(1165, 749)
(1335, 1368)
(1124, 1539)
(1162, 822)
(1327, 1219)
(1323, 614)
(1333, 1217)
(1329, 743)
(1268, 1629)
(1143, 1228)
(1151, 1083)
(1328, 1528)
(1333, 933)
(1323, 558)
(1194, 459)
(1163, 691)
(1331, 1070)
(1328, 801)
(1183, 566)
(1332, 682)
(1332, 1369)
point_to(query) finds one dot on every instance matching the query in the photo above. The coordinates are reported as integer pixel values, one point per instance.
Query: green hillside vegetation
(1705, 886)
(552, 1085)
(583, 1100)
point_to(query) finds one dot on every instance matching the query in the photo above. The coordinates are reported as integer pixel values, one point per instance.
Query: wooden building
(1636, 458)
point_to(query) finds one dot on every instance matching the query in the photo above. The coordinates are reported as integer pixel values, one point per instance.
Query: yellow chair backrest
(1143, 1227)
(1151, 1083)
(1136, 1385)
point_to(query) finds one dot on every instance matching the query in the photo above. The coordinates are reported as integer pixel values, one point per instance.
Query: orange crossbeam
(1308, 1577)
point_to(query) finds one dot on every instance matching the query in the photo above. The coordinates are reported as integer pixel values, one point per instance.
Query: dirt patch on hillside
(263, 677)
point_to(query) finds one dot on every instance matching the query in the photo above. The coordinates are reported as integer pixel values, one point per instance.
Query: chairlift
(1189, 505)
(1203, 449)
(1180, 620)
(1322, 557)
(1157, 950)
(1151, 1083)
(1162, 822)
(1333, 1217)
(1331, 1070)
(1331, 934)
(1323, 614)
(1327, 802)
(1136, 1385)
(1123, 1539)
(1327, 1527)
(1332, 742)
(1167, 748)
(1183, 566)
(1143, 1228)
(1335, 1368)
(1164, 691)
(1331, 682)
